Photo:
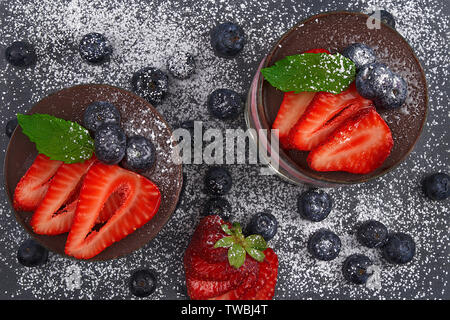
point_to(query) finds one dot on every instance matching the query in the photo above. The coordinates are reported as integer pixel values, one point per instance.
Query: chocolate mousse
(138, 117)
(335, 31)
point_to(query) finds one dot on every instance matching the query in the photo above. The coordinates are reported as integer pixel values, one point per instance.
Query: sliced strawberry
(203, 289)
(324, 114)
(267, 276)
(33, 186)
(208, 232)
(292, 108)
(237, 293)
(201, 269)
(360, 145)
(140, 200)
(55, 213)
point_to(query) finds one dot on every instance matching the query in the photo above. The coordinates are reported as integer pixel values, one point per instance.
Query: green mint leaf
(311, 72)
(224, 242)
(236, 255)
(256, 254)
(256, 241)
(57, 138)
(226, 229)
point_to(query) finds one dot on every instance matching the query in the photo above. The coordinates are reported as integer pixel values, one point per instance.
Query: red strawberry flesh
(33, 186)
(55, 213)
(140, 202)
(323, 115)
(360, 145)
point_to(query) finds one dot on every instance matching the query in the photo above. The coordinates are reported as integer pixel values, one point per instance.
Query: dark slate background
(395, 199)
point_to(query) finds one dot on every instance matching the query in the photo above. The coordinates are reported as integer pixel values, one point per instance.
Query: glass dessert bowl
(335, 31)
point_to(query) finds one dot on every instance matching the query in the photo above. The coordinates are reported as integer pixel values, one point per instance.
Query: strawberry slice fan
(209, 274)
(97, 204)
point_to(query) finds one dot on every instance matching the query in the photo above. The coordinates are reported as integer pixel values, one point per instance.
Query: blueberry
(324, 245)
(224, 104)
(142, 283)
(11, 126)
(218, 206)
(95, 48)
(99, 113)
(181, 65)
(110, 143)
(399, 248)
(314, 205)
(395, 96)
(21, 54)
(372, 234)
(227, 39)
(374, 80)
(32, 254)
(355, 268)
(218, 181)
(140, 154)
(264, 224)
(151, 83)
(360, 54)
(437, 186)
(385, 17)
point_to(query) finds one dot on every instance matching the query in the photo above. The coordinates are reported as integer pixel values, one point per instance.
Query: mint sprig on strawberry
(57, 138)
(239, 246)
(311, 72)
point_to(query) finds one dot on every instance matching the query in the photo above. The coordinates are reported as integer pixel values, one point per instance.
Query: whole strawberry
(220, 263)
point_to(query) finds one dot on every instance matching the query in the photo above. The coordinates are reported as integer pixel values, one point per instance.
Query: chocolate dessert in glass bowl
(333, 32)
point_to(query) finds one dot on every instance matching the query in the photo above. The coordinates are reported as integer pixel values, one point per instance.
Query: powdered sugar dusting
(146, 33)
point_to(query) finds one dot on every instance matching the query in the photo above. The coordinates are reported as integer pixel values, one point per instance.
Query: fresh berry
(292, 108)
(140, 202)
(210, 273)
(110, 143)
(324, 114)
(208, 232)
(151, 83)
(95, 48)
(374, 80)
(10, 127)
(142, 283)
(181, 65)
(218, 206)
(360, 145)
(224, 104)
(55, 213)
(395, 96)
(399, 248)
(356, 268)
(437, 186)
(33, 186)
(318, 50)
(218, 181)
(140, 154)
(314, 205)
(21, 54)
(263, 223)
(372, 234)
(385, 17)
(99, 113)
(32, 254)
(360, 54)
(324, 245)
(227, 39)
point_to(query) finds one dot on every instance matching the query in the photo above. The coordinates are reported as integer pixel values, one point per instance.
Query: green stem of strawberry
(239, 246)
